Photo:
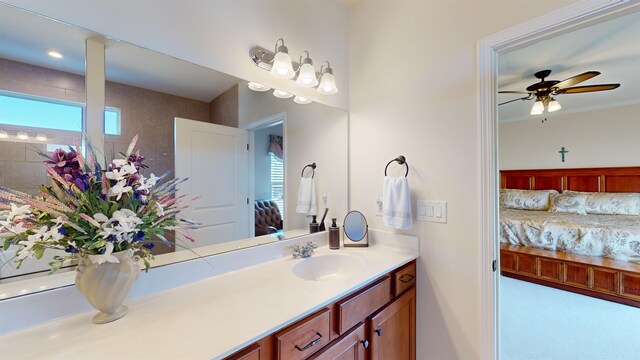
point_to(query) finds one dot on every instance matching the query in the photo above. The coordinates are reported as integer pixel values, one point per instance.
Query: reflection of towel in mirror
(396, 203)
(307, 197)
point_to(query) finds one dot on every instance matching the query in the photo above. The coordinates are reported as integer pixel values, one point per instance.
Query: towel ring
(313, 168)
(401, 160)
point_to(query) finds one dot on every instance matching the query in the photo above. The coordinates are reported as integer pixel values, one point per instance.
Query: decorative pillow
(525, 199)
(611, 203)
(569, 203)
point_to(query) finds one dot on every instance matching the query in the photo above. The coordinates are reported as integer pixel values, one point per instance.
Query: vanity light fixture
(282, 67)
(327, 81)
(537, 108)
(279, 64)
(301, 100)
(3, 134)
(41, 137)
(281, 94)
(22, 135)
(54, 54)
(554, 105)
(306, 72)
(257, 87)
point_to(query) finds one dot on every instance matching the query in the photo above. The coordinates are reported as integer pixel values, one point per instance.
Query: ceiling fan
(545, 90)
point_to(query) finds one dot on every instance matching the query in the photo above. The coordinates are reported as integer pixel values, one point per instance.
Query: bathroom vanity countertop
(207, 319)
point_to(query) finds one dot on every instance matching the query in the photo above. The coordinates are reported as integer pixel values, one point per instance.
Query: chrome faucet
(303, 251)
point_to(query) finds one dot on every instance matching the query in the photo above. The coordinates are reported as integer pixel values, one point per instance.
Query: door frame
(566, 19)
(275, 119)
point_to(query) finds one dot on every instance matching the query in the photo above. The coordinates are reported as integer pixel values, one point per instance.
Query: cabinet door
(392, 330)
(350, 346)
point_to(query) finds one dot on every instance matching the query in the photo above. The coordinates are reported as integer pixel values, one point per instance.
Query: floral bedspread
(611, 236)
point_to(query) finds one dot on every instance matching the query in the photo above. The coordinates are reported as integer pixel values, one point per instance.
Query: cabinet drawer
(404, 279)
(305, 337)
(362, 304)
(249, 353)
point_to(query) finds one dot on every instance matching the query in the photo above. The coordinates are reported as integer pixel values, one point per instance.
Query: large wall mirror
(243, 150)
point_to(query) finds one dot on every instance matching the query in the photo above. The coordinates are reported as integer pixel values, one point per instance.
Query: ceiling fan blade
(515, 92)
(506, 102)
(576, 79)
(589, 88)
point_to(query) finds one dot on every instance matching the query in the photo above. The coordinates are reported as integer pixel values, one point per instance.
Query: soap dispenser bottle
(334, 235)
(313, 226)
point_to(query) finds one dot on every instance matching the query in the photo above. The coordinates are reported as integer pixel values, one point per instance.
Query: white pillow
(525, 199)
(611, 203)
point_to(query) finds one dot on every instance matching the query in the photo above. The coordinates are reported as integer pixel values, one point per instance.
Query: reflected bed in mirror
(148, 93)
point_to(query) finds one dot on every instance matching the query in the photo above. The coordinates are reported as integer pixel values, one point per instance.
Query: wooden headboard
(612, 179)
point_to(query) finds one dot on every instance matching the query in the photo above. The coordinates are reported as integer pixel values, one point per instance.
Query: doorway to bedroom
(565, 125)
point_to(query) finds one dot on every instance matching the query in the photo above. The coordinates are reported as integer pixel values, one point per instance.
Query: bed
(591, 254)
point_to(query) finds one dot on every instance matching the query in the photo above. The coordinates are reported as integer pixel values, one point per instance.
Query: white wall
(318, 133)
(413, 92)
(598, 138)
(219, 34)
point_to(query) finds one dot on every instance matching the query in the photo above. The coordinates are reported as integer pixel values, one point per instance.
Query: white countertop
(211, 318)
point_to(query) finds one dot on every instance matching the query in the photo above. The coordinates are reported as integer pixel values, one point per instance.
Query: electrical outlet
(325, 200)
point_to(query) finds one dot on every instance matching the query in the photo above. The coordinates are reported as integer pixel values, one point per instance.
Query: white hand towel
(396, 203)
(307, 197)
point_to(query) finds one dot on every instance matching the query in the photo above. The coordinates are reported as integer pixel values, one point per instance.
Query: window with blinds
(277, 182)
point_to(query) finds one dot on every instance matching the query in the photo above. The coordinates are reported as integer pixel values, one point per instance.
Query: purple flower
(71, 249)
(149, 245)
(63, 231)
(142, 197)
(137, 160)
(139, 236)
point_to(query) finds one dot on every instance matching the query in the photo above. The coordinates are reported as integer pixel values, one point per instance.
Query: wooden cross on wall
(563, 151)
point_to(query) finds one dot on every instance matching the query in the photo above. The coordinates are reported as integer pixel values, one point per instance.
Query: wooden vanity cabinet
(392, 330)
(376, 322)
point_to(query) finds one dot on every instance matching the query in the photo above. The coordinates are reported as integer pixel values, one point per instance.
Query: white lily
(119, 189)
(100, 217)
(18, 212)
(115, 174)
(106, 257)
(152, 180)
(119, 162)
(128, 169)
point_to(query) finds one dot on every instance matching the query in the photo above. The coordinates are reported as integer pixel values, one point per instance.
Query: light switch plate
(379, 206)
(432, 211)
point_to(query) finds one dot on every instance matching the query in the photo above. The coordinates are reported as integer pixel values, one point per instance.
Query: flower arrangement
(89, 211)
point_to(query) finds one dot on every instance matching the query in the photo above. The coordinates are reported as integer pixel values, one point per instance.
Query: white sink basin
(328, 267)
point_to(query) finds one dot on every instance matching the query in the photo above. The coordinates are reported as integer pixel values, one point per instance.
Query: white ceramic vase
(107, 285)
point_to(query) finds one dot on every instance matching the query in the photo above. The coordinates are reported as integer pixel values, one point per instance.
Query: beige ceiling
(611, 47)
(24, 37)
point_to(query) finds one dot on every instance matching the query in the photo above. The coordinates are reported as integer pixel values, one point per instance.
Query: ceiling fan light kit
(544, 91)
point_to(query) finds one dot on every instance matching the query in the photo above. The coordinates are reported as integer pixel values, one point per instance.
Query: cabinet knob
(378, 331)
(364, 343)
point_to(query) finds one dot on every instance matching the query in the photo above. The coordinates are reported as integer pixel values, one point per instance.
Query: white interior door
(216, 161)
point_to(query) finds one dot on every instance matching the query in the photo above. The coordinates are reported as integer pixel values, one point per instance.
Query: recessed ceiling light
(257, 87)
(301, 100)
(281, 94)
(54, 54)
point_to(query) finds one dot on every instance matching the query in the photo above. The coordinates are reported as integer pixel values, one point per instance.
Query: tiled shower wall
(145, 112)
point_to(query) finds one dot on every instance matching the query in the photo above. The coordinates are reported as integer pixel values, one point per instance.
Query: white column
(95, 95)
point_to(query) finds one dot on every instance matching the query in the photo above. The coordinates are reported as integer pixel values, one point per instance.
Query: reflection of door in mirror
(268, 178)
(214, 158)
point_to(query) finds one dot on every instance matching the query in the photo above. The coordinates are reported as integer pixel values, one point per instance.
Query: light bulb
(282, 67)
(22, 135)
(537, 108)
(327, 84)
(554, 105)
(3, 134)
(281, 94)
(301, 100)
(307, 76)
(257, 87)
(54, 54)
(41, 137)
